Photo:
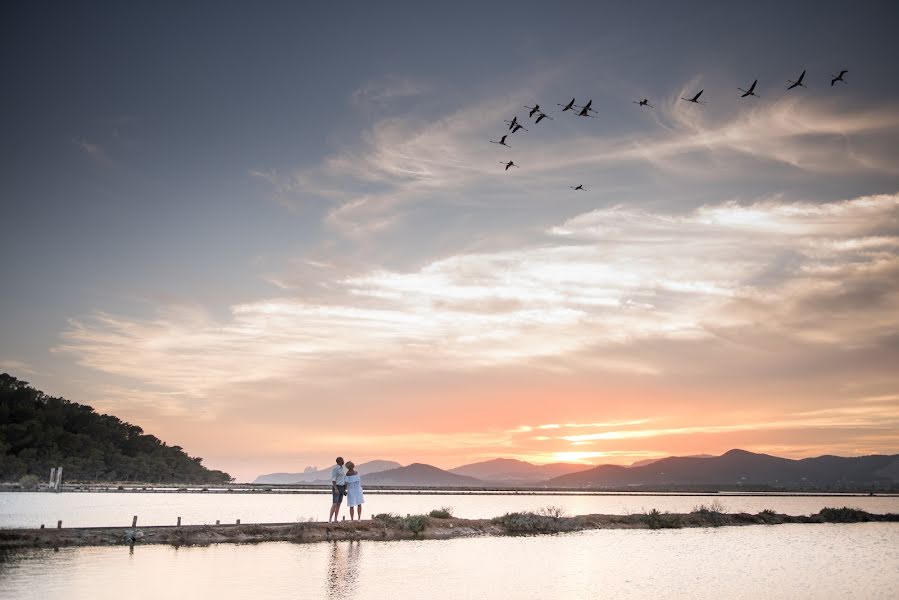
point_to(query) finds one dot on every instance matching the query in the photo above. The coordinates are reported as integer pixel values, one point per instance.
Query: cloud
(93, 151)
(17, 367)
(606, 290)
(399, 163)
(381, 93)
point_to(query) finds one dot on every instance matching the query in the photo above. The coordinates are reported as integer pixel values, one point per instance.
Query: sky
(276, 232)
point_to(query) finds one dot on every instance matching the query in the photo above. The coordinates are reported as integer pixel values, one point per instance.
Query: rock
(132, 535)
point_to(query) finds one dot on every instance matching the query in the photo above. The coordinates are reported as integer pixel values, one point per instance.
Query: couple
(348, 483)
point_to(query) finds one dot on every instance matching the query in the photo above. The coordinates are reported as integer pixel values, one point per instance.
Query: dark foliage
(532, 523)
(38, 432)
(844, 515)
(659, 520)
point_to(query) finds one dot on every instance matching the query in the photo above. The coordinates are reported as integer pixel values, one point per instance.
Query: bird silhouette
(580, 187)
(644, 102)
(695, 99)
(542, 116)
(750, 91)
(584, 113)
(501, 142)
(839, 77)
(517, 127)
(568, 106)
(509, 164)
(798, 82)
(512, 123)
(534, 109)
(588, 107)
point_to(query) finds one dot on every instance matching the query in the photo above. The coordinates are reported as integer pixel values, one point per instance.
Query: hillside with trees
(38, 432)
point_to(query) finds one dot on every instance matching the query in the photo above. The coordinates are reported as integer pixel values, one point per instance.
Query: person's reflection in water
(343, 568)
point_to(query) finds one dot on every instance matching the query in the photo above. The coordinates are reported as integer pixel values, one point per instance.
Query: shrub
(555, 512)
(444, 512)
(390, 520)
(844, 515)
(29, 482)
(415, 523)
(657, 520)
(531, 522)
(768, 516)
(711, 514)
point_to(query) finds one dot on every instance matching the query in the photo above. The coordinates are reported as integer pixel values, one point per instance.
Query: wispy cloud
(595, 292)
(92, 150)
(407, 161)
(17, 367)
(386, 90)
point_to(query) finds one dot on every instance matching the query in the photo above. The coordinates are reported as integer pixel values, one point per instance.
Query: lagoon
(783, 561)
(98, 509)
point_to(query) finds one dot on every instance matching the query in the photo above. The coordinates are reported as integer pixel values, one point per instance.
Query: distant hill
(509, 471)
(649, 461)
(418, 474)
(38, 432)
(324, 475)
(739, 467)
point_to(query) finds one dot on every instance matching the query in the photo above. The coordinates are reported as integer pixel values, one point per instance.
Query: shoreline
(281, 489)
(393, 527)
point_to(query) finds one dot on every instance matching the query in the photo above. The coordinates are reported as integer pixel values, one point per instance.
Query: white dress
(354, 495)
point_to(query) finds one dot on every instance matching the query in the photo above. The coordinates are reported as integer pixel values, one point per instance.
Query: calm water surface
(100, 509)
(783, 561)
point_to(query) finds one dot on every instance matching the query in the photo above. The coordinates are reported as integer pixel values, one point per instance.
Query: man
(338, 488)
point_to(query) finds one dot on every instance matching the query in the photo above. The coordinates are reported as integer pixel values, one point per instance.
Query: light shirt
(338, 475)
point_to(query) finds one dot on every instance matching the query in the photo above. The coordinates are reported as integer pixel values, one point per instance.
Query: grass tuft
(658, 520)
(444, 512)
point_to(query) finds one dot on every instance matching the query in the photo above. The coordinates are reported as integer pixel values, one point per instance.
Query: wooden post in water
(179, 522)
(216, 521)
(58, 479)
(238, 521)
(42, 525)
(134, 522)
(59, 524)
(52, 478)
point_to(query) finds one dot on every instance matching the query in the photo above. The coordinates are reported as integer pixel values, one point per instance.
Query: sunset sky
(276, 232)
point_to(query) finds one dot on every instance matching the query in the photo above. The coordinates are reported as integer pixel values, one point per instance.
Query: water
(783, 561)
(103, 509)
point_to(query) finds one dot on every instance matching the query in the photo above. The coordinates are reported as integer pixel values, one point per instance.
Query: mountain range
(508, 471)
(735, 468)
(323, 475)
(742, 468)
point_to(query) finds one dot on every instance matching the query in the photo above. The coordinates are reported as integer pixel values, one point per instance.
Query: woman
(354, 497)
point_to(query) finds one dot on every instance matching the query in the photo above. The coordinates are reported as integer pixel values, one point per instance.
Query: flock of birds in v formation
(587, 110)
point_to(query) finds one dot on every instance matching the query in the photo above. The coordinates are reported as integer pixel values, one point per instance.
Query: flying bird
(517, 127)
(839, 77)
(512, 123)
(509, 164)
(542, 116)
(534, 109)
(580, 187)
(584, 113)
(750, 91)
(588, 107)
(695, 99)
(501, 142)
(568, 106)
(644, 102)
(798, 82)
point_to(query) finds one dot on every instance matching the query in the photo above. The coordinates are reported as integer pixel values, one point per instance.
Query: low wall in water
(394, 527)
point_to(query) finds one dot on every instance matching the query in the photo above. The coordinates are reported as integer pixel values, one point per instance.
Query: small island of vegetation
(39, 432)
